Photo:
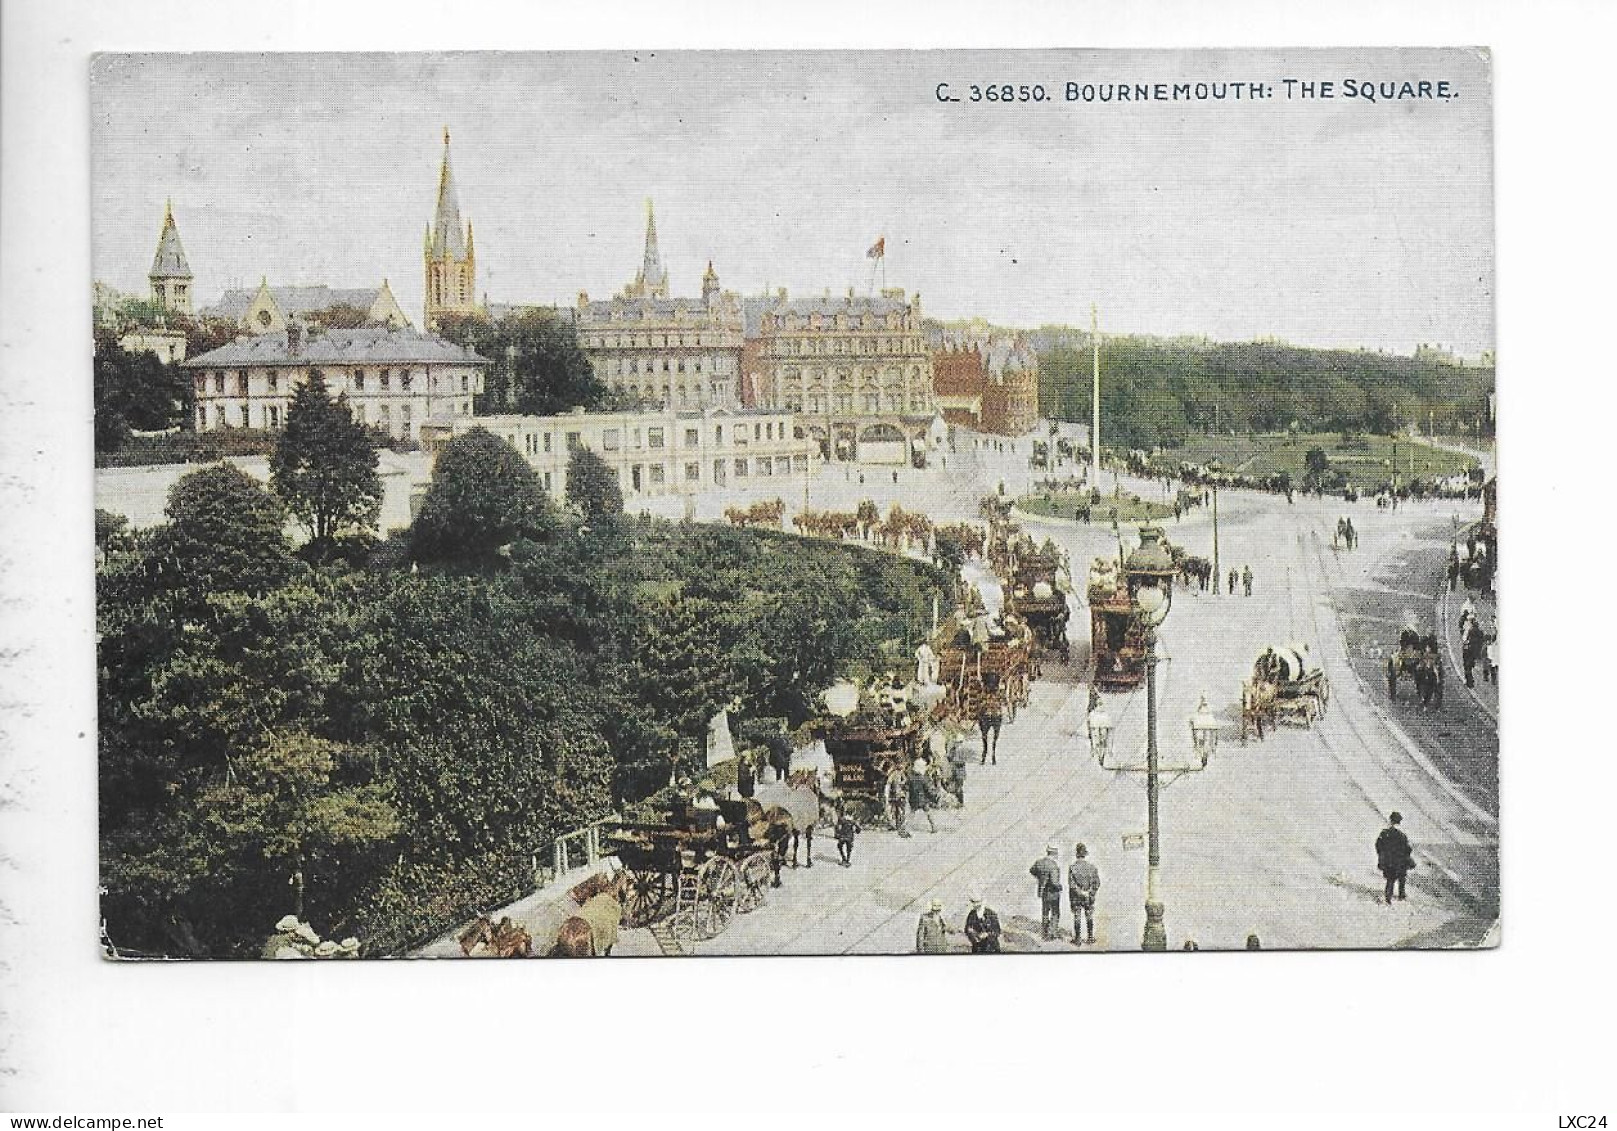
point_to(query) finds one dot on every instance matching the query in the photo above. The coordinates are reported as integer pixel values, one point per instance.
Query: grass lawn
(1367, 463)
(1063, 504)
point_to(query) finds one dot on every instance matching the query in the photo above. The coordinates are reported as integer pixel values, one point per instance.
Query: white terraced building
(654, 453)
(394, 380)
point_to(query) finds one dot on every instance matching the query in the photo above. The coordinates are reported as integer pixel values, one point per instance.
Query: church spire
(170, 276)
(652, 275)
(447, 237)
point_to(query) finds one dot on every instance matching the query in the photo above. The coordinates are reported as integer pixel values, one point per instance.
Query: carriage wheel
(718, 887)
(646, 897)
(756, 872)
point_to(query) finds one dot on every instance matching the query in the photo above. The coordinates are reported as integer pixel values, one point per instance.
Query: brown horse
(487, 939)
(594, 930)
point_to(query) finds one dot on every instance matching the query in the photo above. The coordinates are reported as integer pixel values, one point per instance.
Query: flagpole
(1094, 420)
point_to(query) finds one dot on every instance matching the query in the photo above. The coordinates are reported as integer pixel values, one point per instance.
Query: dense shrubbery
(394, 745)
(1156, 393)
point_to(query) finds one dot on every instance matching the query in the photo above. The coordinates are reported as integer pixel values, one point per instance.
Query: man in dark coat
(1394, 856)
(982, 927)
(1083, 882)
(1047, 871)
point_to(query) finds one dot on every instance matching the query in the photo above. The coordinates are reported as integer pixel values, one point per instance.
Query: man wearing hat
(1047, 871)
(349, 947)
(982, 927)
(932, 933)
(327, 949)
(1083, 882)
(1394, 856)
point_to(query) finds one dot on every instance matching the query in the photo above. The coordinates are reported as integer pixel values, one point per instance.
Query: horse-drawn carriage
(1419, 660)
(1037, 593)
(867, 752)
(1284, 687)
(697, 866)
(1117, 637)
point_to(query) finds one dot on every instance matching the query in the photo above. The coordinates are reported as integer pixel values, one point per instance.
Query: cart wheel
(755, 878)
(718, 887)
(646, 898)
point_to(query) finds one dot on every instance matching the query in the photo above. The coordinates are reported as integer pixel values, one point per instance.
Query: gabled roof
(169, 263)
(368, 346)
(294, 300)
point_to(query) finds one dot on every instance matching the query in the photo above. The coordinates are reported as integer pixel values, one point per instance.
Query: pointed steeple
(447, 237)
(169, 263)
(652, 276)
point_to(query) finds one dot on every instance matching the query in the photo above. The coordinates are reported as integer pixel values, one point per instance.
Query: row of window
(655, 437)
(384, 381)
(270, 416)
(663, 341)
(680, 396)
(617, 366)
(802, 347)
(794, 401)
(795, 322)
(869, 375)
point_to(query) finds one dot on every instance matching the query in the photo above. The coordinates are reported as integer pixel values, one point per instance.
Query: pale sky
(1332, 223)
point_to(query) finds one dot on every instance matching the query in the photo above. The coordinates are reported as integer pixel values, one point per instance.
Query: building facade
(394, 380)
(268, 310)
(682, 354)
(855, 369)
(170, 276)
(653, 453)
(450, 254)
(989, 384)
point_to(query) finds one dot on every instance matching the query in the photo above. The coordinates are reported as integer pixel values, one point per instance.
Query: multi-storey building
(170, 276)
(394, 379)
(682, 354)
(268, 309)
(990, 384)
(450, 255)
(856, 369)
(653, 453)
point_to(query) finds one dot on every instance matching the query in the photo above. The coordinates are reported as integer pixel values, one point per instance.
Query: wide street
(1275, 837)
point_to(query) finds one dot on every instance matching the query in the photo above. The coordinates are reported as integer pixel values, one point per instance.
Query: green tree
(483, 496)
(324, 466)
(136, 391)
(537, 365)
(592, 486)
(225, 533)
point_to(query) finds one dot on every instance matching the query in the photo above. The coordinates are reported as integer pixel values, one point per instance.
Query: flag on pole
(878, 250)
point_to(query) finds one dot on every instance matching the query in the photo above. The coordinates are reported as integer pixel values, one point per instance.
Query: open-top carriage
(867, 752)
(1037, 593)
(986, 672)
(698, 867)
(1117, 638)
(1284, 687)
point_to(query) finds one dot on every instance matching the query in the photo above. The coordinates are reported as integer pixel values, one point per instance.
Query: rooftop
(368, 346)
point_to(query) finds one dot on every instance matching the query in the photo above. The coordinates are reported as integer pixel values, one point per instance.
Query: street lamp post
(1215, 469)
(1150, 573)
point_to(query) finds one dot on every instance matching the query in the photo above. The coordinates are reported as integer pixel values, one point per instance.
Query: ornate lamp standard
(1215, 469)
(1150, 573)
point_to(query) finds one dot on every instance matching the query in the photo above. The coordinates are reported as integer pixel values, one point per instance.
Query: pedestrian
(898, 803)
(1190, 944)
(285, 942)
(1490, 656)
(982, 927)
(921, 793)
(1253, 943)
(349, 947)
(1468, 612)
(990, 719)
(959, 759)
(1046, 871)
(746, 777)
(1246, 580)
(1394, 856)
(932, 933)
(846, 829)
(895, 478)
(1083, 882)
(1235, 579)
